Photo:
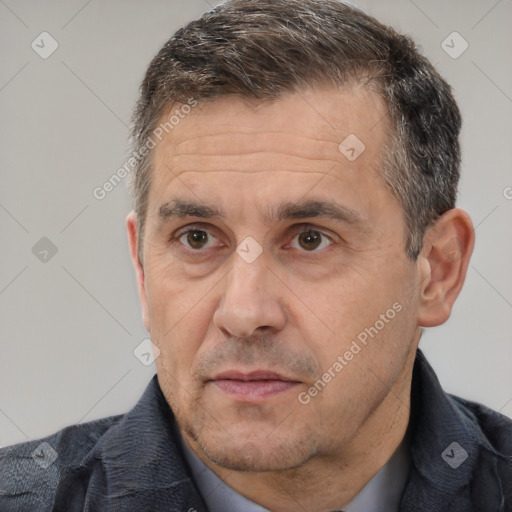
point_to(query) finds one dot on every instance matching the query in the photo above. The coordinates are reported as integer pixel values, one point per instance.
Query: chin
(255, 451)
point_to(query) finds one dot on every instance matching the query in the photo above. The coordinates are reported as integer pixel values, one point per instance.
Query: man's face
(274, 261)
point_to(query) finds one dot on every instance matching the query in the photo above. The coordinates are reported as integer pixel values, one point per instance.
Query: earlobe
(448, 246)
(131, 226)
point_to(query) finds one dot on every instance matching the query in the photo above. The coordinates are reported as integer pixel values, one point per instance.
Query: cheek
(180, 314)
(335, 309)
(171, 297)
(371, 308)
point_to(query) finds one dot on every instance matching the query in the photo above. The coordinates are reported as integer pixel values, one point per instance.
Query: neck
(329, 481)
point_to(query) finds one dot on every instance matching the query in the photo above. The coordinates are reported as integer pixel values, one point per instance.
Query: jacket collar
(446, 448)
(144, 466)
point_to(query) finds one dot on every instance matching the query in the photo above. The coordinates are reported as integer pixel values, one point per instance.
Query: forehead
(231, 141)
(327, 114)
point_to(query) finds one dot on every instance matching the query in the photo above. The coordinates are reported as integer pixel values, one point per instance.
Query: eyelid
(308, 226)
(197, 226)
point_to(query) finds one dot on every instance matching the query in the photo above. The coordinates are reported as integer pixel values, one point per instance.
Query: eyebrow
(178, 208)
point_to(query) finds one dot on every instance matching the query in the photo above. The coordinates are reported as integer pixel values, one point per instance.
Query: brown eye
(310, 240)
(196, 239)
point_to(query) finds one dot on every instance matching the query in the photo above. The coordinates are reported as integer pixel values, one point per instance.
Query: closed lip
(255, 386)
(251, 376)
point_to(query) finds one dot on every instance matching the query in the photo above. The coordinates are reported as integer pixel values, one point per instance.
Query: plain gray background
(70, 324)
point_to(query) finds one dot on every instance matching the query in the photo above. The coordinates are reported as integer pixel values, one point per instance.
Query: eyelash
(297, 230)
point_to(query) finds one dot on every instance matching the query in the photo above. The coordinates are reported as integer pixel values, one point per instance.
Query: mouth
(253, 386)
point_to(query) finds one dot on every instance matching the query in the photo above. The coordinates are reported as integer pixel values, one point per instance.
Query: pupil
(311, 239)
(196, 238)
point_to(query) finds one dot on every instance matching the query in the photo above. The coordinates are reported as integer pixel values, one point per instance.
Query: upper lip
(254, 375)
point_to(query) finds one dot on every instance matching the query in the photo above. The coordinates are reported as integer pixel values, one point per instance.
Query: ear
(131, 226)
(444, 259)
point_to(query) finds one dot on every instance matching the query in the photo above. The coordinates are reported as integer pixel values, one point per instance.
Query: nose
(250, 300)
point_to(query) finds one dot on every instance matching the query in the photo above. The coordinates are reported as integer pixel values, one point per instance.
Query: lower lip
(254, 389)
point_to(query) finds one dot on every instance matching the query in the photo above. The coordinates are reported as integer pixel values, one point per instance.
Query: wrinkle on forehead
(237, 142)
(240, 164)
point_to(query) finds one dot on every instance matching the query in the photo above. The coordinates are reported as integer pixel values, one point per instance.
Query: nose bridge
(249, 301)
(245, 281)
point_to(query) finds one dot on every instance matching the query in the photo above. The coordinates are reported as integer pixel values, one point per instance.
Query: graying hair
(262, 48)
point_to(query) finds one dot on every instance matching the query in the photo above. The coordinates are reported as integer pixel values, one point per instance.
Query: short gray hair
(262, 48)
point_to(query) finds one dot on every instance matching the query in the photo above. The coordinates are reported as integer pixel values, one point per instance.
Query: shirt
(460, 460)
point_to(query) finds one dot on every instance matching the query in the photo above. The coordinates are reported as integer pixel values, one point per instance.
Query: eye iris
(196, 239)
(310, 239)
